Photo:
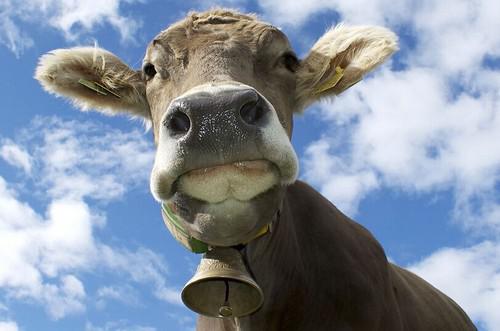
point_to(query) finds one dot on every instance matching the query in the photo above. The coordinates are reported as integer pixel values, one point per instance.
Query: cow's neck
(276, 262)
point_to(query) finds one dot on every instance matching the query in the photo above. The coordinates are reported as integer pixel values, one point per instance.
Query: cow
(220, 89)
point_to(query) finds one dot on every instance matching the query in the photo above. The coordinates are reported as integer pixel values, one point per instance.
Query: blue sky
(412, 153)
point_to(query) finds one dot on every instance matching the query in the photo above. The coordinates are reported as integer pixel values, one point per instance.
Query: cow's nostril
(252, 112)
(179, 123)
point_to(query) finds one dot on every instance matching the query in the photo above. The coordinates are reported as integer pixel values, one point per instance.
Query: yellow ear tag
(339, 73)
(99, 88)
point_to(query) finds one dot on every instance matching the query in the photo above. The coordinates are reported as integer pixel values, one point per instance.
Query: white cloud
(15, 155)
(65, 298)
(45, 252)
(36, 251)
(209, 4)
(12, 37)
(455, 35)
(421, 141)
(71, 17)
(142, 266)
(124, 294)
(296, 13)
(341, 182)
(471, 276)
(121, 325)
(102, 166)
(8, 326)
(424, 142)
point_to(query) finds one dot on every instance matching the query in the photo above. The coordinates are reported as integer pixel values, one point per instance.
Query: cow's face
(220, 89)
(222, 94)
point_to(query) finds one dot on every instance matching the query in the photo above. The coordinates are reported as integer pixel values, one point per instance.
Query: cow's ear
(93, 78)
(340, 58)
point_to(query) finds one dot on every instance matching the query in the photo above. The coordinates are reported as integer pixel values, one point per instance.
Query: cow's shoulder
(321, 222)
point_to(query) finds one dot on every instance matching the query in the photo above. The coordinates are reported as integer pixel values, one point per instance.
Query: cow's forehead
(198, 30)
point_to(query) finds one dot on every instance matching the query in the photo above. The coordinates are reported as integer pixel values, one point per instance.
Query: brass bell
(222, 286)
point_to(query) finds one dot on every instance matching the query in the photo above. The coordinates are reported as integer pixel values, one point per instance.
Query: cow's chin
(230, 204)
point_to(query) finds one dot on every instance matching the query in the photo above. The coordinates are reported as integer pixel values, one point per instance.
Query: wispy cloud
(234, 4)
(141, 266)
(121, 325)
(15, 155)
(11, 35)
(411, 142)
(100, 167)
(296, 13)
(124, 294)
(44, 251)
(340, 181)
(71, 17)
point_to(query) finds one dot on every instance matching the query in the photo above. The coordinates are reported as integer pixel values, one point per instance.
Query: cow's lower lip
(242, 180)
(249, 168)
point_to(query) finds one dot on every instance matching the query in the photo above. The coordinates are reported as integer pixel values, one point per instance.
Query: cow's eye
(149, 70)
(290, 61)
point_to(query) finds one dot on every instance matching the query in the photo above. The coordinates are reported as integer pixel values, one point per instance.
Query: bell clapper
(225, 310)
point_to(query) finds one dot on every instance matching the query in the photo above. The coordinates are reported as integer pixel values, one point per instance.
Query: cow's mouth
(242, 181)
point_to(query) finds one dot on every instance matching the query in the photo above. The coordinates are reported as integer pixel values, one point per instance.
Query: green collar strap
(177, 230)
(175, 227)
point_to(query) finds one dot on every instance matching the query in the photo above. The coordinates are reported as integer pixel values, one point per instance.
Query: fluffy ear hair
(340, 58)
(92, 77)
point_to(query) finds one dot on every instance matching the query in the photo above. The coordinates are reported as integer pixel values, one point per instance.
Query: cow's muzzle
(223, 137)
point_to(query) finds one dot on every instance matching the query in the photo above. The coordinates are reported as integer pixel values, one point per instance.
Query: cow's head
(220, 90)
